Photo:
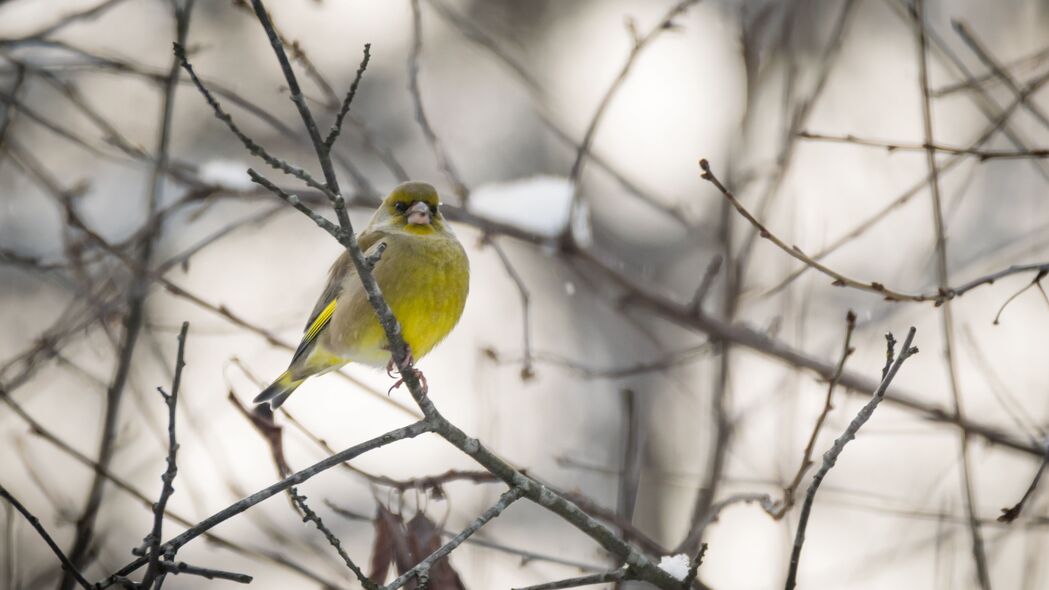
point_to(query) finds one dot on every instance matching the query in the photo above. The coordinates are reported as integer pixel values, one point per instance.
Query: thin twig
(182, 567)
(168, 478)
(639, 43)
(444, 162)
(1012, 513)
(67, 565)
(693, 567)
(135, 316)
(473, 33)
(588, 580)
(336, 127)
(831, 456)
(989, 60)
(525, 555)
(1026, 62)
(899, 146)
(840, 280)
(311, 516)
(406, 432)
(757, 340)
(527, 368)
(806, 457)
(508, 498)
(713, 268)
(983, 575)
(940, 297)
(950, 164)
(250, 144)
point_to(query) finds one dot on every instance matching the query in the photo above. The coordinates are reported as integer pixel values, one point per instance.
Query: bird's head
(413, 207)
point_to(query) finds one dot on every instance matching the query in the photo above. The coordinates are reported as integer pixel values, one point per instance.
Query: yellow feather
(424, 275)
(322, 319)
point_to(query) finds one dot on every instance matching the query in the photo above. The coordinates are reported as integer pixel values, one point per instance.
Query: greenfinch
(423, 273)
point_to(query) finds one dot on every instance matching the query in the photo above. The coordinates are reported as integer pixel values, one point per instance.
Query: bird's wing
(322, 312)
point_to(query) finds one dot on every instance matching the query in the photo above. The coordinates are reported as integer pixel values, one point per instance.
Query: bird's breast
(425, 280)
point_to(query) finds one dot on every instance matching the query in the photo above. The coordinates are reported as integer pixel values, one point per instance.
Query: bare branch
(420, 570)
(896, 146)
(666, 23)
(589, 580)
(840, 280)
(831, 456)
(444, 162)
(336, 127)
(311, 516)
(806, 457)
(1012, 513)
(136, 295)
(410, 431)
(983, 575)
(252, 147)
(182, 567)
(67, 565)
(527, 369)
(152, 540)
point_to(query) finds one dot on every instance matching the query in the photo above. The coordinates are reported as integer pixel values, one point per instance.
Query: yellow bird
(423, 273)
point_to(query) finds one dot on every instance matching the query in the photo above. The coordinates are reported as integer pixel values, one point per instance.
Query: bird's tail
(279, 390)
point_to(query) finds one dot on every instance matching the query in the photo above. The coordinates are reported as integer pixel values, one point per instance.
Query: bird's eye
(401, 206)
(433, 208)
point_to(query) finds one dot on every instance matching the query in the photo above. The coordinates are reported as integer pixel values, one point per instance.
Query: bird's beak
(418, 214)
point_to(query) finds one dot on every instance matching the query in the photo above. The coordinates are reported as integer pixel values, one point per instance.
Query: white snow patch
(538, 204)
(228, 174)
(581, 224)
(675, 565)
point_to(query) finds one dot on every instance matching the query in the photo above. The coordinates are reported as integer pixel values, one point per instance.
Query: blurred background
(604, 384)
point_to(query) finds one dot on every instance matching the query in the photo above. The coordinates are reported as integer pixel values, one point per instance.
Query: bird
(423, 273)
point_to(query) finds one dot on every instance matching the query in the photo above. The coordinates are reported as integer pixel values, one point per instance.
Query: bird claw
(418, 375)
(391, 371)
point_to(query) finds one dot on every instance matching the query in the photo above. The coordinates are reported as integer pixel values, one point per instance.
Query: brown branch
(979, 555)
(940, 297)
(840, 280)
(1012, 513)
(1026, 62)
(998, 69)
(759, 341)
(806, 457)
(951, 163)
(894, 146)
(986, 103)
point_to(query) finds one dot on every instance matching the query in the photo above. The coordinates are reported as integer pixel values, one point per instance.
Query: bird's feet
(391, 371)
(418, 375)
